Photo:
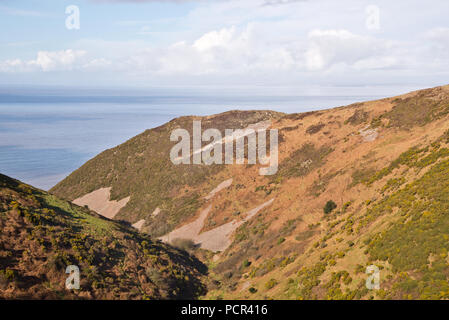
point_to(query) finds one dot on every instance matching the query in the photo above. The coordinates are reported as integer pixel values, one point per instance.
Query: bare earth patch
(369, 135)
(99, 201)
(156, 212)
(215, 240)
(139, 224)
(245, 286)
(188, 231)
(221, 186)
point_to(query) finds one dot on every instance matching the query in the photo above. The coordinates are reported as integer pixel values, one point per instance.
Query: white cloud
(237, 41)
(45, 61)
(229, 51)
(57, 60)
(214, 39)
(328, 47)
(234, 51)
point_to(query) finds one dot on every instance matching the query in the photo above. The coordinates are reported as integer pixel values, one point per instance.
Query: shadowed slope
(41, 235)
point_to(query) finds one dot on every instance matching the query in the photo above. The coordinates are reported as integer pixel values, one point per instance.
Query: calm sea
(44, 138)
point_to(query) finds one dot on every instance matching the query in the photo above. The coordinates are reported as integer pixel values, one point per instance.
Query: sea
(45, 137)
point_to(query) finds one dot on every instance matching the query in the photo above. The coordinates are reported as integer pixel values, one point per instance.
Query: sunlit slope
(141, 169)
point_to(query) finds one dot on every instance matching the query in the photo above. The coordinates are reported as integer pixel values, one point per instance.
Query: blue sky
(228, 43)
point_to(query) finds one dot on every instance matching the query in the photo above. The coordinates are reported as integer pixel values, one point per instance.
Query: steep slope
(382, 164)
(141, 169)
(41, 235)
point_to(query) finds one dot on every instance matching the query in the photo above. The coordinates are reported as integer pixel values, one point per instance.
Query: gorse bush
(418, 242)
(246, 263)
(271, 284)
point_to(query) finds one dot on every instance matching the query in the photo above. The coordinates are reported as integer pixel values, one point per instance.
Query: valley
(357, 186)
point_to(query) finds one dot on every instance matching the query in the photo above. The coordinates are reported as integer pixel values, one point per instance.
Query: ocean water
(45, 138)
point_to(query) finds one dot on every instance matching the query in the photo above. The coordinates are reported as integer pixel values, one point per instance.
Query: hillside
(383, 164)
(42, 235)
(141, 169)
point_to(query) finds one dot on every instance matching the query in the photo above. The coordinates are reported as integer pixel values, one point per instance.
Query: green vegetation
(393, 184)
(289, 226)
(418, 243)
(271, 284)
(251, 229)
(281, 240)
(270, 265)
(41, 235)
(306, 280)
(246, 263)
(329, 207)
(415, 157)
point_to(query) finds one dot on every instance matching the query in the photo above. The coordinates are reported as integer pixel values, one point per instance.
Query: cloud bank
(236, 41)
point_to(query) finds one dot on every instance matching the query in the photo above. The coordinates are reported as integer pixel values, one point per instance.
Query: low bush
(271, 284)
(329, 207)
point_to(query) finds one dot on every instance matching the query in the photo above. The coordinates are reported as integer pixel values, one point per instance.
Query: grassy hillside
(141, 168)
(41, 235)
(358, 185)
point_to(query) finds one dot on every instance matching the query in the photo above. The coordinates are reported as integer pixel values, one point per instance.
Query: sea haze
(44, 137)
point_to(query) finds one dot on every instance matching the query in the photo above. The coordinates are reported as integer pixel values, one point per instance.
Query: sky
(293, 44)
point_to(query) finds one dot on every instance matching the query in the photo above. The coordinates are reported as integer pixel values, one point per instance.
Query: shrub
(304, 235)
(271, 284)
(8, 274)
(330, 205)
(252, 290)
(281, 240)
(246, 263)
(346, 206)
(315, 128)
